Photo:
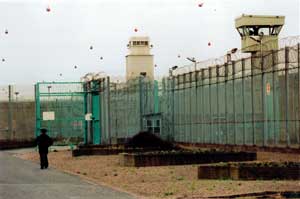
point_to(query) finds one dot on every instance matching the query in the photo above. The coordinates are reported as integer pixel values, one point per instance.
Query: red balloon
(48, 9)
(200, 4)
(135, 30)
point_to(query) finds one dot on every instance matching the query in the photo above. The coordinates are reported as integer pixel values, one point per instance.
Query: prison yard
(223, 128)
(165, 181)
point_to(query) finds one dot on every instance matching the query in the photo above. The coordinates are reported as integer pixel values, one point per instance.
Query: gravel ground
(162, 182)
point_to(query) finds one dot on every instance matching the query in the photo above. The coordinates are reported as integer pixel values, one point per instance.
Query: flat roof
(141, 38)
(259, 20)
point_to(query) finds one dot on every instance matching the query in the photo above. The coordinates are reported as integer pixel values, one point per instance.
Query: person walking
(43, 141)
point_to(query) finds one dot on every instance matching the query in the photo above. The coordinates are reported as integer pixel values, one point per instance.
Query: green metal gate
(60, 108)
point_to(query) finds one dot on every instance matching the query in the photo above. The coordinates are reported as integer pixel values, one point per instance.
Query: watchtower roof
(259, 20)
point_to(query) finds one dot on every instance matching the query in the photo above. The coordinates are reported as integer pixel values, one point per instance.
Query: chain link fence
(251, 101)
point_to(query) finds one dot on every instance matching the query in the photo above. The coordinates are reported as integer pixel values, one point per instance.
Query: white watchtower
(139, 61)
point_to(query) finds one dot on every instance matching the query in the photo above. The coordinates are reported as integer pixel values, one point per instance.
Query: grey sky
(41, 45)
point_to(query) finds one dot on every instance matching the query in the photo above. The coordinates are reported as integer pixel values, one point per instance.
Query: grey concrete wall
(22, 120)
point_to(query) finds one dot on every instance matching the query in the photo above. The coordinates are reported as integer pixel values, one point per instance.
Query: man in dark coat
(43, 141)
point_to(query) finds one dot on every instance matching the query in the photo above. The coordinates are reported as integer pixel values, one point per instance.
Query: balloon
(209, 44)
(48, 9)
(135, 30)
(6, 31)
(91, 47)
(178, 56)
(75, 67)
(60, 74)
(101, 58)
(200, 5)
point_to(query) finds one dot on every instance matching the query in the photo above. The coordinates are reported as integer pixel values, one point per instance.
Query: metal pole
(275, 129)
(10, 109)
(37, 109)
(202, 105)
(265, 119)
(196, 108)
(243, 96)
(173, 105)
(184, 107)
(210, 115)
(141, 102)
(233, 99)
(218, 114)
(226, 109)
(287, 95)
(298, 49)
(190, 107)
(108, 109)
(252, 102)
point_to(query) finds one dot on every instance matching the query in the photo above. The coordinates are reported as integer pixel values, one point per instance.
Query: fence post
(37, 110)
(190, 104)
(233, 94)
(202, 106)
(173, 105)
(298, 50)
(274, 100)
(141, 101)
(210, 117)
(196, 130)
(286, 52)
(263, 99)
(218, 111)
(184, 107)
(243, 99)
(252, 102)
(108, 109)
(226, 108)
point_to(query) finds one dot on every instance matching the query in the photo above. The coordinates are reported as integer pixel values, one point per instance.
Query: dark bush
(150, 141)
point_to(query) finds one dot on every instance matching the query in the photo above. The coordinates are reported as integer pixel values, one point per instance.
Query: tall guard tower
(259, 33)
(139, 61)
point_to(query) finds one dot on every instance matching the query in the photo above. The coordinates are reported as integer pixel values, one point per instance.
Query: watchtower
(139, 61)
(259, 33)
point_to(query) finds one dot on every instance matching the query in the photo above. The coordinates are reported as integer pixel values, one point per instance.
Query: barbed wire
(238, 55)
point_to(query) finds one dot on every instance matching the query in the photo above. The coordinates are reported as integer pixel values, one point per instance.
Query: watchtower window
(146, 43)
(134, 43)
(258, 30)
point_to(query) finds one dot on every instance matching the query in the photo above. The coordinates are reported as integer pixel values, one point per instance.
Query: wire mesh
(252, 101)
(66, 101)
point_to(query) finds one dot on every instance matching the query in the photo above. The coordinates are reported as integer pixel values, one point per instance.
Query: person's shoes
(42, 167)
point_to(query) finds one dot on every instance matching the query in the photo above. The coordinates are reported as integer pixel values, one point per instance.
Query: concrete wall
(22, 123)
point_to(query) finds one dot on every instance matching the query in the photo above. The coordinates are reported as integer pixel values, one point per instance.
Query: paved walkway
(21, 179)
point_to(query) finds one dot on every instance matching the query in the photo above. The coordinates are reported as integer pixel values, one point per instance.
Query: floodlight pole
(194, 61)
